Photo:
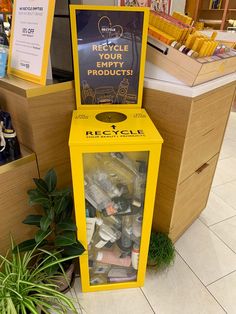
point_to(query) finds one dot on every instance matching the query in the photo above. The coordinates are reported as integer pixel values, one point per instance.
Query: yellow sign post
(115, 159)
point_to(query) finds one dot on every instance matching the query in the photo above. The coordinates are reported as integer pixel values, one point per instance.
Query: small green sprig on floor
(161, 250)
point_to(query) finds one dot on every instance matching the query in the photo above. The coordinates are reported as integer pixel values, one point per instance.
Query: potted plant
(25, 288)
(161, 250)
(56, 228)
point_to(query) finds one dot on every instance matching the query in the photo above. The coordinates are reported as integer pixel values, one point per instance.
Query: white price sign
(30, 39)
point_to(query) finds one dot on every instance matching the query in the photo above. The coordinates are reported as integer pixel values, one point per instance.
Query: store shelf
(214, 22)
(214, 16)
(27, 156)
(29, 89)
(42, 112)
(220, 10)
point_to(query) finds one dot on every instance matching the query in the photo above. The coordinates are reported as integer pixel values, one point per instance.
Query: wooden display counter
(15, 180)
(192, 122)
(227, 38)
(188, 70)
(41, 116)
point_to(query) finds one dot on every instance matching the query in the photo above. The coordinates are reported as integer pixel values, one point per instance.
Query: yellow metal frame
(151, 144)
(41, 79)
(79, 197)
(73, 9)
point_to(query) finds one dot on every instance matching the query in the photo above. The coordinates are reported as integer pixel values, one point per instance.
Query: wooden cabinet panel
(51, 119)
(193, 130)
(14, 200)
(207, 111)
(191, 197)
(165, 197)
(199, 149)
(168, 113)
(169, 166)
(42, 124)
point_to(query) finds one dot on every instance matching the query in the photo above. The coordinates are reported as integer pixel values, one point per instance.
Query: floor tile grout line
(221, 196)
(228, 157)
(218, 239)
(147, 300)
(234, 271)
(216, 223)
(223, 241)
(216, 186)
(190, 268)
(216, 300)
(223, 158)
(229, 139)
(204, 286)
(213, 192)
(81, 309)
(203, 222)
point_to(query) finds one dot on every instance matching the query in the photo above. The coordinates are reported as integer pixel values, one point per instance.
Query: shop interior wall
(178, 5)
(99, 2)
(190, 7)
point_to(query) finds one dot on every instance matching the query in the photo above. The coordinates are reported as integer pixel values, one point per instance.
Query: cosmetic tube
(110, 257)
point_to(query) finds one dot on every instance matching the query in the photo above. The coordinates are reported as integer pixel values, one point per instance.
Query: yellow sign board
(109, 50)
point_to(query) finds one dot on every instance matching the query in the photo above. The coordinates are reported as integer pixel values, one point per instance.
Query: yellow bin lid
(113, 127)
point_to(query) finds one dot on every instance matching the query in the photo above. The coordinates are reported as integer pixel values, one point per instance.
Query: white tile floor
(203, 277)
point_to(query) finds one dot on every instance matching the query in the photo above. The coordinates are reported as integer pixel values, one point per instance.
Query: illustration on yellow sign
(109, 47)
(115, 158)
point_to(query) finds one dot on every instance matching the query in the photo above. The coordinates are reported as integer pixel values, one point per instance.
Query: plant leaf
(32, 220)
(62, 192)
(40, 235)
(45, 222)
(30, 306)
(67, 225)
(51, 180)
(69, 209)
(41, 185)
(24, 246)
(54, 268)
(67, 238)
(51, 213)
(36, 197)
(32, 192)
(74, 249)
(61, 204)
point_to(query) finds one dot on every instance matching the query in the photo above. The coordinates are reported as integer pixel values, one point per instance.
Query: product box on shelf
(191, 71)
(115, 159)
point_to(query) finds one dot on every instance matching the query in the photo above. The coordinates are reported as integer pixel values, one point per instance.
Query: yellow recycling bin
(115, 158)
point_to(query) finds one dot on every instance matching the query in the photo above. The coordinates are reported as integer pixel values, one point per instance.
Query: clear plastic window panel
(115, 185)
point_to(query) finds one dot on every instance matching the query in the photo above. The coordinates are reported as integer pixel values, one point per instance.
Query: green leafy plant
(56, 228)
(161, 250)
(26, 288)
